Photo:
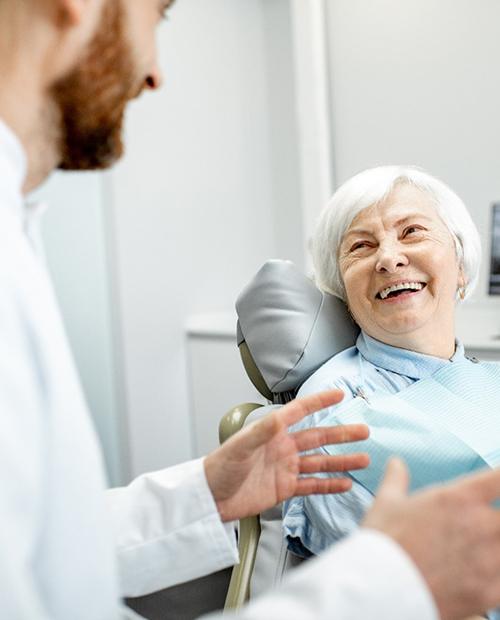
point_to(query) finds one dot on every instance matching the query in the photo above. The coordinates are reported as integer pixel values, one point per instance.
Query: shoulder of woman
(335, 373)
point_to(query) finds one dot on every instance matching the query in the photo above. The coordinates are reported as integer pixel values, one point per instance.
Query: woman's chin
(410, 324)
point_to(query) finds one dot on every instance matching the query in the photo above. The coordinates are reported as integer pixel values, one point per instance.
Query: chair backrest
(287, 328)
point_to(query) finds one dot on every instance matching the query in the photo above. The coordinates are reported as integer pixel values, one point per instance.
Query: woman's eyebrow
(358, 232)
(364, 232)
(412, 216)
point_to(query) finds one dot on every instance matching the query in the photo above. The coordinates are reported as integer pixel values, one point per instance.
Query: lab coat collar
(403, 361)
(13, 169)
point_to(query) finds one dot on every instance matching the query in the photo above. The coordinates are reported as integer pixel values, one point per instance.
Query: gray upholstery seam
(305, 346)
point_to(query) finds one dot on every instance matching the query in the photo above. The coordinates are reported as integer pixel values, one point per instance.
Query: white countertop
(478, 325)
(212, 325)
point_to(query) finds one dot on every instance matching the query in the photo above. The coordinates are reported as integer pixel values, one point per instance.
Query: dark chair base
(186, 601)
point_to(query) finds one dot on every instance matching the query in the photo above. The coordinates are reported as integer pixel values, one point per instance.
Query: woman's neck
(438, 344)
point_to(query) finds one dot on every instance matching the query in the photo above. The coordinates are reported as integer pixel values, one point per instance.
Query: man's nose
(154, 79)
(390, 258)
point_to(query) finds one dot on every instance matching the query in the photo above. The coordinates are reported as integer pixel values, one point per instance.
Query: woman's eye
(359, 246)
(410, 230)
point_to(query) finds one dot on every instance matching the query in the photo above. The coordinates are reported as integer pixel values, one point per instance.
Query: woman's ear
(461, 283)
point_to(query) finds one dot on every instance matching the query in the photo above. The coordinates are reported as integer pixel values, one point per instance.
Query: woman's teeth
(397, 288)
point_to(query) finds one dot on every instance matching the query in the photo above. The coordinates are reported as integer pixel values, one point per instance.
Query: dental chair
(287, 328)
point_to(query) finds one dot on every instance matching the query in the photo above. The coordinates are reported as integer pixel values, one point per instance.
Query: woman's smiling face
(401, 274)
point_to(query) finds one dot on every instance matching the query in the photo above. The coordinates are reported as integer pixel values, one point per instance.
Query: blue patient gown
(313, 523)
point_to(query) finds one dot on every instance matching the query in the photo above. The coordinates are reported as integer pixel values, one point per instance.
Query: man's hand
(262, 464)
(452, 532)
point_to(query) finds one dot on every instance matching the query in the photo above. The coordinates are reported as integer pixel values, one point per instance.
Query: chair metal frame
(249, 528)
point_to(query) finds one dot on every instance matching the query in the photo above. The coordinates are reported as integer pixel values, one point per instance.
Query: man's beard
(93, 97)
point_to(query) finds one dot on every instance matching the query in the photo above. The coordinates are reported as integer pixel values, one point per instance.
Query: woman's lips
(401, 297)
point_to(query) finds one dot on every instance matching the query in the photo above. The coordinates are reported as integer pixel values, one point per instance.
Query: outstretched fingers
(322, 486)
(263, 431)
(317, 463)
(326, 435)
(395, 482)
(297, 409)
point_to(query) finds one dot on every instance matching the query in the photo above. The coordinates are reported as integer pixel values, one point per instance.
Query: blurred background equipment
(495, 251)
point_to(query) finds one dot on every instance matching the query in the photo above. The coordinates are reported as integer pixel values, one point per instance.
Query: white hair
(374, 186)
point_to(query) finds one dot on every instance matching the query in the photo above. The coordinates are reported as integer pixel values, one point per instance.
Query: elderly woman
(399, 247)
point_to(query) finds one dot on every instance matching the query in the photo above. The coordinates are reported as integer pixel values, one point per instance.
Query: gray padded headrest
(290, 327)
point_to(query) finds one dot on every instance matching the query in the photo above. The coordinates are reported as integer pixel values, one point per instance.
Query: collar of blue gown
(403, 361)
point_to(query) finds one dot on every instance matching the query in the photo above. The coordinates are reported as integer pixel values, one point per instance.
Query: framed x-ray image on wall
(495, 251)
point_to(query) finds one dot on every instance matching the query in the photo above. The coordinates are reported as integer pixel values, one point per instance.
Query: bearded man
(69, 549)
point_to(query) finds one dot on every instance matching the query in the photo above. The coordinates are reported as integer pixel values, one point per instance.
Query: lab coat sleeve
(365, 576)
(168, 530)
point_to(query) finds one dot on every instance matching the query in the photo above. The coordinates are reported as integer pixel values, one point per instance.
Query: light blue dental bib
(443, 426)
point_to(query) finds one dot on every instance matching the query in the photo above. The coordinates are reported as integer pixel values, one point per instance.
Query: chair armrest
(249, 528)
(234, 420)
(239, 586)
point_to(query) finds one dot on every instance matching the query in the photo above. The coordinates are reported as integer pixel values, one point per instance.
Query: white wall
(209, 189)
(76, 245)
(211, 185)
(419, 83)
(193, 200)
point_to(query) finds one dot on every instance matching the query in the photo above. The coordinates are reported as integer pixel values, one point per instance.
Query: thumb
(395, 482)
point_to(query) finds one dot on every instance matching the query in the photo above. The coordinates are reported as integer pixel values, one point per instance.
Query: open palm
(263, 464)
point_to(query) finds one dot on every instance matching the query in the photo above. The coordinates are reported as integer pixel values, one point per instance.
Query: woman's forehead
(405, 202)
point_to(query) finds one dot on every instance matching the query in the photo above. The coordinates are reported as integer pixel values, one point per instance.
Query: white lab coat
(69, 549)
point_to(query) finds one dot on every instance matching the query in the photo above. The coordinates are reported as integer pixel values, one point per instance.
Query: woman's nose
(390, 259)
